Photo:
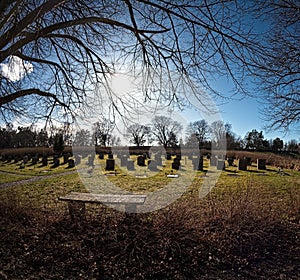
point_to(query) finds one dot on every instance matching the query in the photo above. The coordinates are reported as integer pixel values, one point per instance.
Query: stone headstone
(110, 156)
(248, 160)
(198, 163)
(66, 158)
(110, 164)
(56, 162)
(178, 157)
(176, 165)
(141, 161)
(158, 159)
(213, 161)
(34, 160)
(77, 159)
(45, 161)
(130, 165)
(152, 165)
(101, 156)
(16, 158)
(230, 161)
(25, 159)
(91, 160)
(242, 165)
(71, 163)
(261, 164)
(124, 160)
(220, 164)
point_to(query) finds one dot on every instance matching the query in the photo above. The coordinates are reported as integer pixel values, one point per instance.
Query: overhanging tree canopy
(64, 47)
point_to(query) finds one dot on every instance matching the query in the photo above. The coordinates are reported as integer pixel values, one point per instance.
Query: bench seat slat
(105, 198)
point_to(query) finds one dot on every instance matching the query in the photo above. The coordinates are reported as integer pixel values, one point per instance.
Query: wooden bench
(76, 202)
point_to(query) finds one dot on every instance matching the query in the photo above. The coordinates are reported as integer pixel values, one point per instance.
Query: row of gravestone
(45, 160)
(245, 162)
(242, 163)
(142, 160)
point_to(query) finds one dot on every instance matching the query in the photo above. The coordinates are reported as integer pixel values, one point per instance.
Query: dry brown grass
(246, 228)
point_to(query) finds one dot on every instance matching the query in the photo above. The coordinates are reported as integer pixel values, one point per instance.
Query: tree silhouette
(138, 133)
(54, 54)
(165, 131)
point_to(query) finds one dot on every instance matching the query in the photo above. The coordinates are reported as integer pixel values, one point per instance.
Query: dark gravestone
(248, 160)
(242, 164)
(220, 164)
(168, 156)
(101, 156)
(110, 164)
(71, 163)
(45, 161)
(66, 158)
(198, 163)
(178, 157)
(34, 160)
(176, 162)
(261, 164)
(110, 156)
(213, 161)
(152, 165)
(141, 161)
(130, 165)
(25, 159)
(176, 165)
(56, 162)
(16, 158)
(230, 161)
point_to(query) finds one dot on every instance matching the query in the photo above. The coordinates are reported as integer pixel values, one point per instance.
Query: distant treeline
(199, 135)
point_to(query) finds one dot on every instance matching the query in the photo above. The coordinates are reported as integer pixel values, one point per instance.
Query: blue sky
(244, 114)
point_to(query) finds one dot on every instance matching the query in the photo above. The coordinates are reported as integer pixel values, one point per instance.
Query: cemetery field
(247, 227)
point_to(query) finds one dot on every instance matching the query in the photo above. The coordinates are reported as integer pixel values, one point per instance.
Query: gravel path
(30, 180)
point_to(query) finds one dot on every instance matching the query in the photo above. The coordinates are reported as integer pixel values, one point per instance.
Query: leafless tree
(277, 67)
(66, 47)
(199, 130)
(165, 130)
(138, 133)
(218, 134)
(103, 132)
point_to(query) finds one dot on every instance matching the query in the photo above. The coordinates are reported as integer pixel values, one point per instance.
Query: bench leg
(76, 210)
(130, 208)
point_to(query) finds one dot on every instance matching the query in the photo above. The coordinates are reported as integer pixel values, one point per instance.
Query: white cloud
(15, 69)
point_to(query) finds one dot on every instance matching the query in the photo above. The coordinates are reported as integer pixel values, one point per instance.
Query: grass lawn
(247, 227)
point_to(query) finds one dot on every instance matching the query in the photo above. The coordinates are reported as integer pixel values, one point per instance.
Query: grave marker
(261, 164)
(220, 164)
(242, 164)
(110, 165)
